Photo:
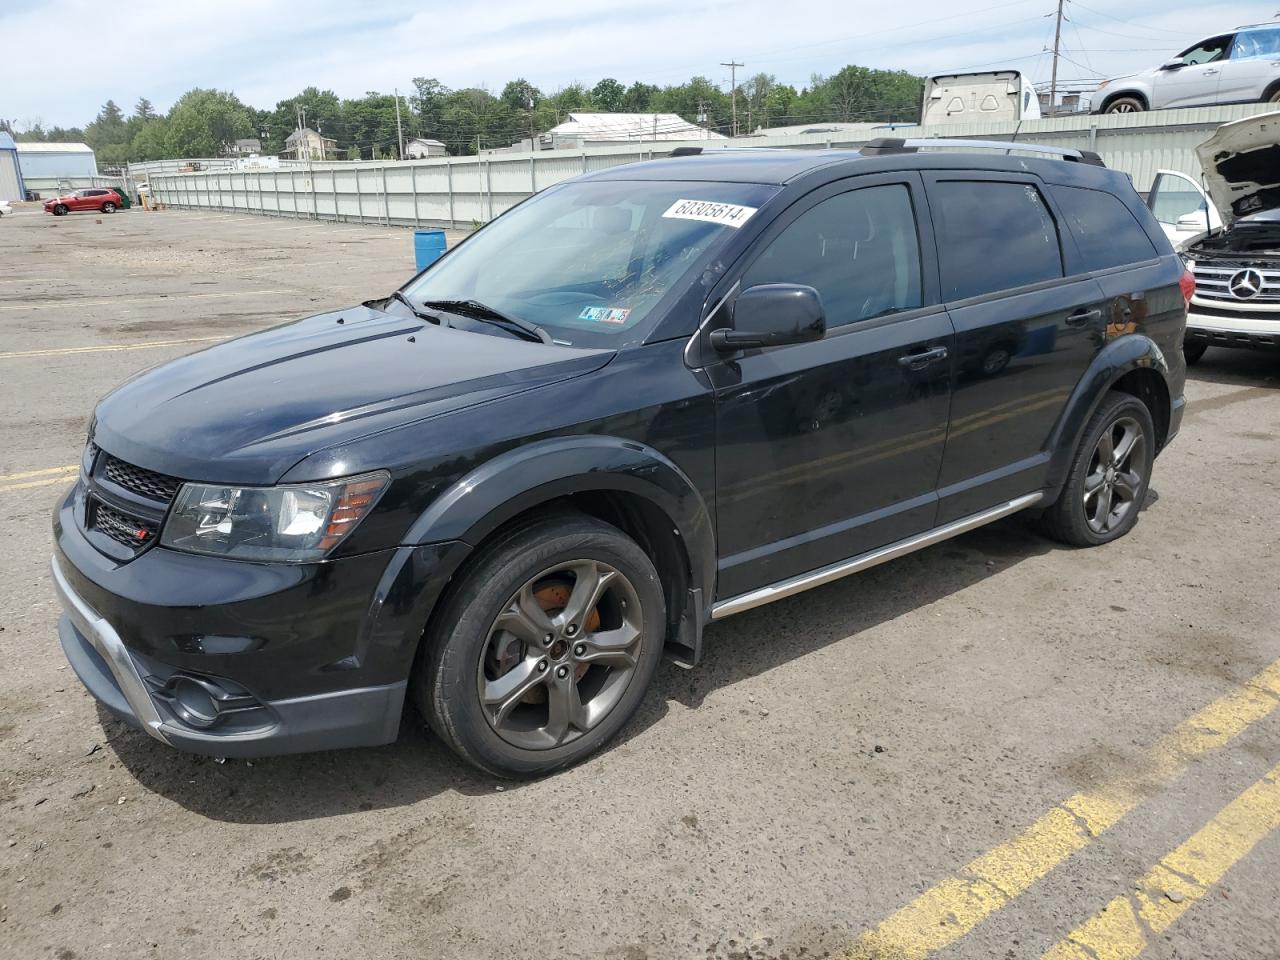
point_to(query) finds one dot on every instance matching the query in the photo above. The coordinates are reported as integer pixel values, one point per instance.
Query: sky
(268, 50)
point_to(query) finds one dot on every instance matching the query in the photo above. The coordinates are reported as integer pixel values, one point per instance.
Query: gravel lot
(838, 754)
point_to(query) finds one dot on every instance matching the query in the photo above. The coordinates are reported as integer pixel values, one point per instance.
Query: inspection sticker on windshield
(725, 214)
(605, 314)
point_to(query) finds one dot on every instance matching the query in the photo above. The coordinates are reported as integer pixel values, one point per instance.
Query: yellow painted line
(946, 912)
(28, 474)
(175, 297)
(1125, 927)
(47, 482)
(107, 348)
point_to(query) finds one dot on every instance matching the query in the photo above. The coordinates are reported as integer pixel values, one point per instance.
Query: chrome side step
(816, 578)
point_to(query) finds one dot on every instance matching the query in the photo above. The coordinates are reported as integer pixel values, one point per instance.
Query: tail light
(1188, 285)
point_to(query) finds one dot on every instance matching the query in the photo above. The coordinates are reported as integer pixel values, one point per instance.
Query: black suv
(644, 399)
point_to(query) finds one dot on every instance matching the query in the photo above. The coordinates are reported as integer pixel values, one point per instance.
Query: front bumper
(350, 718)
(228, 658)
(1214, 326)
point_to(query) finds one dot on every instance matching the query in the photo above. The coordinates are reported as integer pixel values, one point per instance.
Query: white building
(306, 144)
(11, 187)
(419, 148)
(601, 129)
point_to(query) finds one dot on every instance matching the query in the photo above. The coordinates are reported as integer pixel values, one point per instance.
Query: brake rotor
(552, 595)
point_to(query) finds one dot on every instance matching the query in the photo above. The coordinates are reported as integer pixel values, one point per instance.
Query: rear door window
(1106, 232)
(993, 235)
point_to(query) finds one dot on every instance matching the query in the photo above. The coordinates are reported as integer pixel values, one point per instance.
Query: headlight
(293, 523)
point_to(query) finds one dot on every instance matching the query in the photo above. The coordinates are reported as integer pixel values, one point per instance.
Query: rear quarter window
(992, 236)
(1105, 230)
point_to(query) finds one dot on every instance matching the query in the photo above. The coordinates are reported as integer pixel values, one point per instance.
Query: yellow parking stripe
(26, 475)
(1124, 928)
(175, 297)
(106, 348)
(38, 478)
(946, 912)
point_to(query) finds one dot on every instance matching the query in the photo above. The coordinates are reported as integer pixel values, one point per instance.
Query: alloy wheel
(1112, 483)
(560, 655)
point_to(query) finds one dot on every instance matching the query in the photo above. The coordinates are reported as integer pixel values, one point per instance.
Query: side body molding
(478, 503)
(1120, 357)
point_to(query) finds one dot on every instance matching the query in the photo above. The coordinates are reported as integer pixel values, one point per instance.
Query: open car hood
(1241, 163)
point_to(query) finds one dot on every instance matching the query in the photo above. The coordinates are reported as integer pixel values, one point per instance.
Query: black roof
(781, 165)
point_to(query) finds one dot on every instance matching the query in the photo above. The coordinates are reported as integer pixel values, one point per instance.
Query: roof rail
(889, 145)
(686, 151)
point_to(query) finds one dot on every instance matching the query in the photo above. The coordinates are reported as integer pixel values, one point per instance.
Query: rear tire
(108, 207)
(1272, 96)
(1125, 105)
(1109, 475)
(545, 649)
(1192, 351)
(60, 210)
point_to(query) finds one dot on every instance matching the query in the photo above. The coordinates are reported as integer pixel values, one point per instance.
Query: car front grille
(132, 532)
(1215, 281)
(143, 482)
(124, 504)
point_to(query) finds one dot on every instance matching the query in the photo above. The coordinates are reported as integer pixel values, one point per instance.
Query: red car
(108, 201)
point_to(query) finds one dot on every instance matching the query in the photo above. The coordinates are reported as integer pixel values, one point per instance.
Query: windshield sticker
(725, 214)
(605, 314)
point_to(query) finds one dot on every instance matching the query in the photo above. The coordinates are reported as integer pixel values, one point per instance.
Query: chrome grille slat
(1213, 282)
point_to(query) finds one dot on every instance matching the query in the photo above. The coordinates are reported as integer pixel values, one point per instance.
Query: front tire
(1192, 351)
(60, 210)
(545, 649)
(1109, 475)
(1125, 105)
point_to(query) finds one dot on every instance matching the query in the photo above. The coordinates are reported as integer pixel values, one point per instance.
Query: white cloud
(266, 50)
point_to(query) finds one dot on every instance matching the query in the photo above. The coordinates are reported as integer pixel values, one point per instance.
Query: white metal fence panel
(460, 191)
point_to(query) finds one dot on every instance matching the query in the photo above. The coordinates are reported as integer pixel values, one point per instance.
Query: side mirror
(1177, 63)
(1197, 221)
(771, 315)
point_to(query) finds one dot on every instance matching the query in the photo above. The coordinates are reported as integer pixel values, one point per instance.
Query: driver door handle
(1081, 317)
(922, 359)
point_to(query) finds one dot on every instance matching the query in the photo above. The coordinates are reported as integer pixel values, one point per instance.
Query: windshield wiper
(439, 321)
(476, 310)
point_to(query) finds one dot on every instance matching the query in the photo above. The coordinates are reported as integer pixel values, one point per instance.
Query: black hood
(247, 410)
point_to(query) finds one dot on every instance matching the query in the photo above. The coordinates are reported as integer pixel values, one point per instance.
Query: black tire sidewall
(1137, 105)
(1112, 408)
(1192, 352)
(108, 207)
(446, 682)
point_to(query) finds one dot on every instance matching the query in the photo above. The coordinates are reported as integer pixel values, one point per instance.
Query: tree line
(206, 123)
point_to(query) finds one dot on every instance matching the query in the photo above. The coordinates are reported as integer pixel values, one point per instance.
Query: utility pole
(733, 66)
(1057, 43)
(399, 129)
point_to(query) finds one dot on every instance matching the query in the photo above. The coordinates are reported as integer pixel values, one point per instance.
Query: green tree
(428, 104)
(640, 97)
(143, 109)
(323, 112)
(609, 96)
(204, 123)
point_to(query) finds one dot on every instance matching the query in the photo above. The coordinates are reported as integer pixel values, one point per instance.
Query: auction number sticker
(725, 214)
(605, 314)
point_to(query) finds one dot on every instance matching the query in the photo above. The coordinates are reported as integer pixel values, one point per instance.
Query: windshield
(591, 261)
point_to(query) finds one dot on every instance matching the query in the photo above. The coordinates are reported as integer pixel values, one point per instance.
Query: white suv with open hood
(1230, 235)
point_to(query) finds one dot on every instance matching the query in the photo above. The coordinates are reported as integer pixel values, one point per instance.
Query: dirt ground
(875, 755)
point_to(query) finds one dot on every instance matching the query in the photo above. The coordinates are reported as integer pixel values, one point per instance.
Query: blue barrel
(428, 247)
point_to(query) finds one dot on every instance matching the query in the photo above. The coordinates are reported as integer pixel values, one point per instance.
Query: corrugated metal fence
(457, 191)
